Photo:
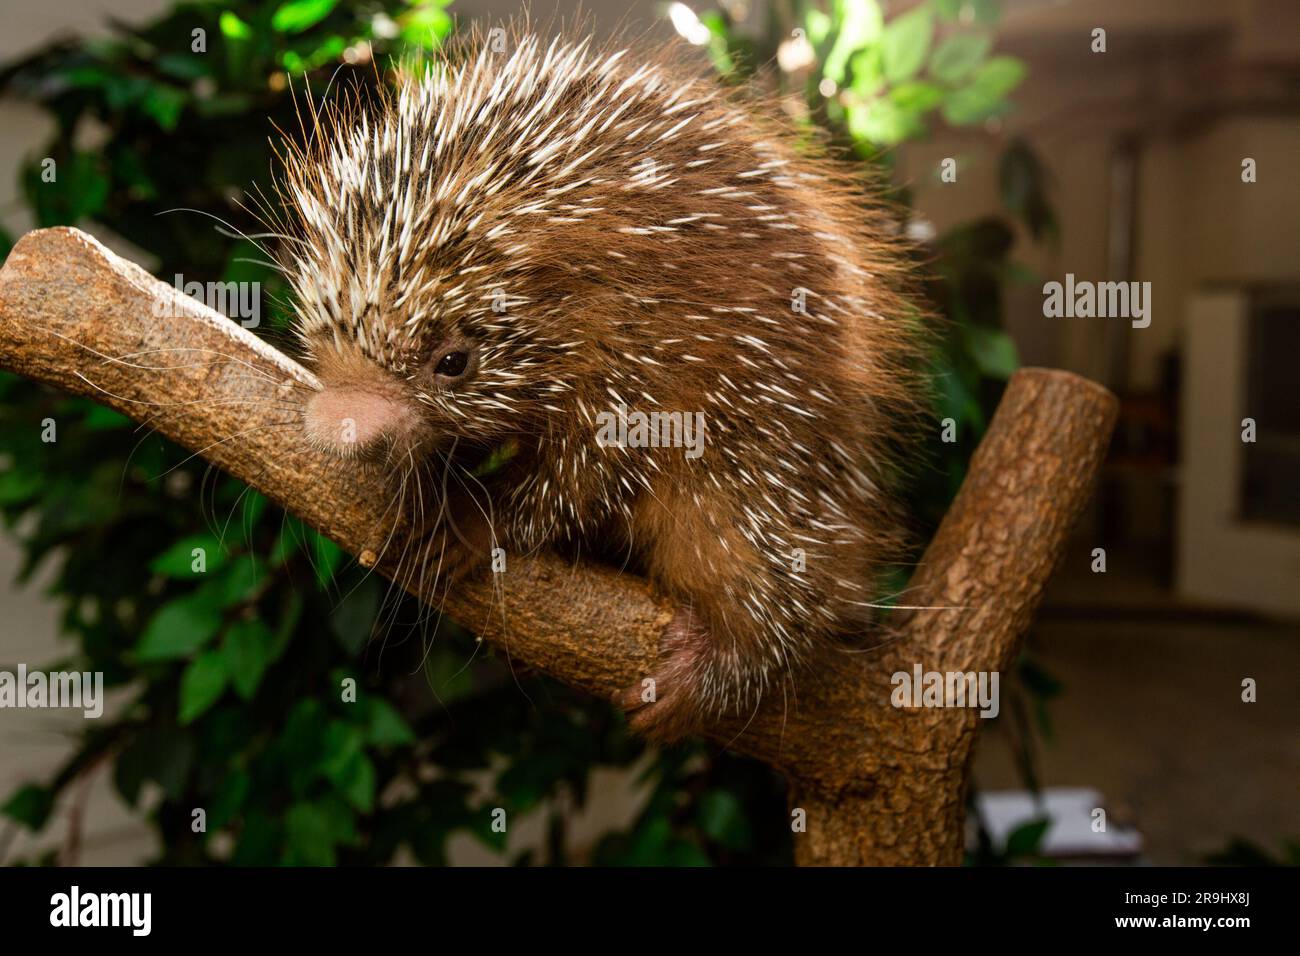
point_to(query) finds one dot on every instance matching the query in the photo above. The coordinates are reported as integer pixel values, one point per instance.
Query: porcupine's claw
(663, 706)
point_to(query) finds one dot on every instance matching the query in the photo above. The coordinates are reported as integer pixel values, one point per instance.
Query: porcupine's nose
(352, 422)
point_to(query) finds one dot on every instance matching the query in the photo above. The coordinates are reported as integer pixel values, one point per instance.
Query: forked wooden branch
(877, 784)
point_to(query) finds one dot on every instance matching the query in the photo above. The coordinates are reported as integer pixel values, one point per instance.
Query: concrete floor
(1152, 716)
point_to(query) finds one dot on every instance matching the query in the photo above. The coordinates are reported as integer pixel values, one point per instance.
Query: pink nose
(350, 421)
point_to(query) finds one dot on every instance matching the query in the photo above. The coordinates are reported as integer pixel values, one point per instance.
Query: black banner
(329, 907)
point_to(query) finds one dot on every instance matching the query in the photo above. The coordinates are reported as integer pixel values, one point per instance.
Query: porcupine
(511, 243)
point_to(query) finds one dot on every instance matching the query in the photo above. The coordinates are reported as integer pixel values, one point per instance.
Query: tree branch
(878, 784)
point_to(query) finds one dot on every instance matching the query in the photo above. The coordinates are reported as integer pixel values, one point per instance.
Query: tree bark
(876, 784)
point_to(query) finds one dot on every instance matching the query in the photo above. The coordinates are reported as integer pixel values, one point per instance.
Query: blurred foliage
(231, 680)
(1243, 852)
(1020, 848)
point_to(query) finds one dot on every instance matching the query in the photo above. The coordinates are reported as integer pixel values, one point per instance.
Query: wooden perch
(878, 784)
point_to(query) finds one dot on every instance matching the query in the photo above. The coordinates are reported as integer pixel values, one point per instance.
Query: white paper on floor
(1074, 821)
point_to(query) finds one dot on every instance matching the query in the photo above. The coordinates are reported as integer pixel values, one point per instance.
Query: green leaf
(445, 670)
(818, 25)
(164, 104)
(327, 51)
(345, 764)
(385, 727)
(860, 24)
(341, 743)
(881, 122)
(17, 486)
(289, 617)
(679, 852)
(237, 581)
(721, 815)
(655, 844)
(480, 826)
(866, 73)
(987, 12)
(309, 835)
(123, 91)
(228, 798)
(29, 805)
(424, 25)
(1037, 679)
(163, 754)
(340, 819)
(223, 104)
(202, 684)
(957, 401)
(970, 105)
(993, 351)
(958, 55)
(529, 777)
(999, 76)
(178, 560)
(79, 191)
(1024, 193)
(247, 648)
(985, 95)
(297, 15)
(1024, 839)
(179, 628)
(299, 750)
(287, 542)
(86, 77)
(354, 618)
(358, 783)
(326, 558)
(183, 66)
(259, 841)
(234, 27)
(253, 507)
(916, 97)
(905, 43)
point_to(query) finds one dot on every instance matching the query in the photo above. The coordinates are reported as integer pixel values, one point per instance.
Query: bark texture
(876, 784)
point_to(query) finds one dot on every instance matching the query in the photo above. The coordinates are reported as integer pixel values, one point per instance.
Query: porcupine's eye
(453, 364)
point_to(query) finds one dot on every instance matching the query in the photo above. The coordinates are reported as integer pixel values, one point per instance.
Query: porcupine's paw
(450, 560)
(664, 706)
(457, 549)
